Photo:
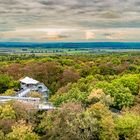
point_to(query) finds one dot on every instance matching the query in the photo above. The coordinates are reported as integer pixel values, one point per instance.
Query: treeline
(96, 97)
(15, 58)
(106, 45)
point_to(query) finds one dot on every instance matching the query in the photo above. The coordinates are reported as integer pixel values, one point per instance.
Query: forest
(97, 97)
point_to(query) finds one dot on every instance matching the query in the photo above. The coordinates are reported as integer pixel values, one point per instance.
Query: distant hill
(99, 45)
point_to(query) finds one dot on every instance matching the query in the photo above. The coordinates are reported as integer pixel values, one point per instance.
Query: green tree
(130, 81)
(127, 125)
(135, 135)
(73, 94)
(2, 137)
(122, 95)
(6, 82)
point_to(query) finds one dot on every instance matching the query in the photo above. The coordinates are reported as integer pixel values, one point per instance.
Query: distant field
(67, 47)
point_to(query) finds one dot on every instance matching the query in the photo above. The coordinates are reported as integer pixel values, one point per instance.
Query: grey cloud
(110, 15)
(85, 14)
(46, 2)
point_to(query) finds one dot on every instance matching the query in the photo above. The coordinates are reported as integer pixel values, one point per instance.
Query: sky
(69, 20)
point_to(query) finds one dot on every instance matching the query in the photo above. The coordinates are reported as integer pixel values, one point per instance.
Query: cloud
(40, 34)
(77, 14)
(110, 15)
(89, 35)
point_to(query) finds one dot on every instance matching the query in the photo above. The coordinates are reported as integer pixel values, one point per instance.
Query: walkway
(23, 93)
(33, 101)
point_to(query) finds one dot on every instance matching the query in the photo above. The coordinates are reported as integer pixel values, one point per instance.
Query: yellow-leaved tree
(22, 131)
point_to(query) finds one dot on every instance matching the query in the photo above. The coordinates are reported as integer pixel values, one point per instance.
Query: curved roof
(28, 80)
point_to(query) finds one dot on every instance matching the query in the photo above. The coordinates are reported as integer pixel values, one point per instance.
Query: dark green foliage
(6, 82)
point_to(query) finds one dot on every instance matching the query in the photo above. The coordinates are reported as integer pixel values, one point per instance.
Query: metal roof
(28, 80)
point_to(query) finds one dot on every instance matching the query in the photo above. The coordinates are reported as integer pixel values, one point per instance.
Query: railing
(23, 92)
(34, 101)
(20, 98)
(46, 106)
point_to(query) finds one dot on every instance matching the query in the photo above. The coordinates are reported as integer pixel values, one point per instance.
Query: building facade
(28, 84)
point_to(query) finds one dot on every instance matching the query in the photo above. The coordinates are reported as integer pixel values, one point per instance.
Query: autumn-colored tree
(35, 94)
(97, 95)
(22, 131)
(49, 73)
(69, 76)
(7, 112)
(56, 122)
(7, 117)
(6, 125)
(106, 125)
(93, 124)
(14, 70)
(24, 111)
(9, 92)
